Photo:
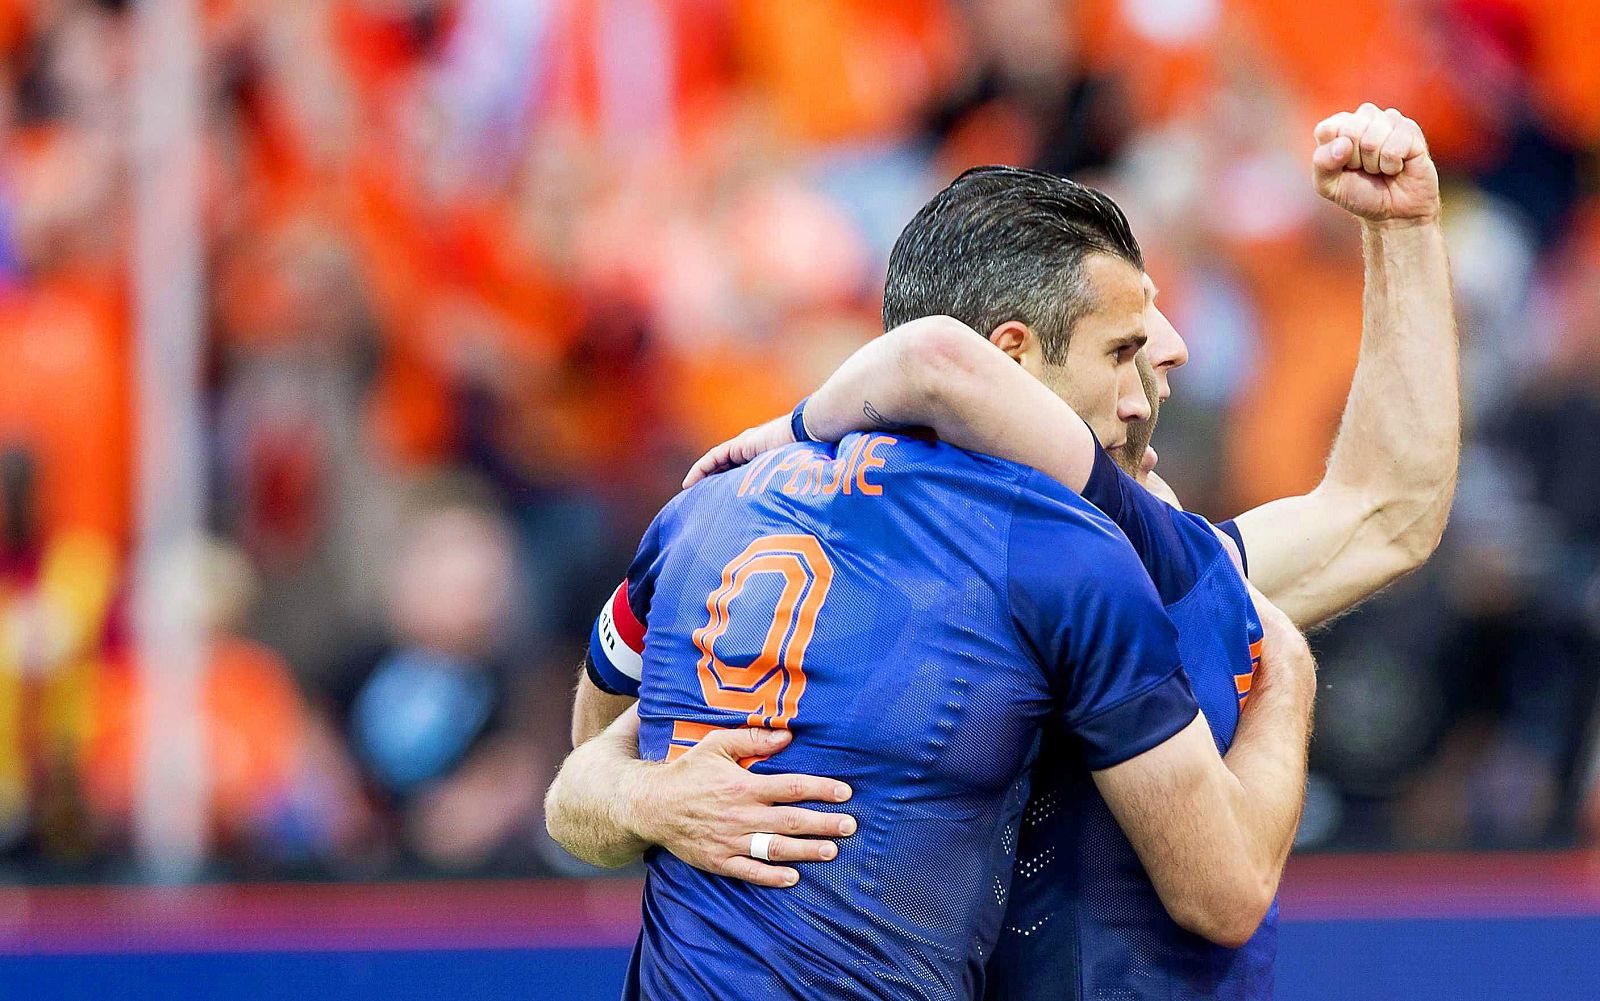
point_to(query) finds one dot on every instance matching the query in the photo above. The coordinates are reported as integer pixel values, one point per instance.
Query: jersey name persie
(812, 475)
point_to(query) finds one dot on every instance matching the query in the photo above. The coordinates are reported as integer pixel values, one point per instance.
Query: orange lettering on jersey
(801, 475)
(809, 473)
(783, 465)
(821, 473)
(850, 464)
(839, 468)
(691, 733)
(808, 476)
(686, 734)
(755, 467)
(871, 461)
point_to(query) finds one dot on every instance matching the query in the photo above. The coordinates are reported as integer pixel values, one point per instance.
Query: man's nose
(1167, 350)
(1132, 404)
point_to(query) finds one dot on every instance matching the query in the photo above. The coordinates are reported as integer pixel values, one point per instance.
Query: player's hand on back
(706, 808)
(1375, 165)
(742, 448)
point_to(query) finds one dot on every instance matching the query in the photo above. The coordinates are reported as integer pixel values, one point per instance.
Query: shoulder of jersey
(921, 454)
(1052, 493)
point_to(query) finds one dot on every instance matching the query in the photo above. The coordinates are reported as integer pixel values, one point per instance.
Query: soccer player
(1083, 911)
(915, 655)
(1377, 514)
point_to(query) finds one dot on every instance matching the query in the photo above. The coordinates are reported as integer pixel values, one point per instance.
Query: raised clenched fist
(1375, 165)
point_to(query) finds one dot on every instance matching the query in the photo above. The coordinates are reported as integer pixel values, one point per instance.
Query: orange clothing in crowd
(831, 70)
(1283, 423)
(722, 391)
(685, 49)
(1566, 72)
(16, 20)
(65, 398)
(253, 724)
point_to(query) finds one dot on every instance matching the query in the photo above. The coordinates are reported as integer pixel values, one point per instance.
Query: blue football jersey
(1084, 920)
(914, 614)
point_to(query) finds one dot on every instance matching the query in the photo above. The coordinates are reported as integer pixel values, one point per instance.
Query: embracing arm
(1382, 505)
(939, 373)
(585, 807)
(593, 710)
(1214, 832)
(606, 806)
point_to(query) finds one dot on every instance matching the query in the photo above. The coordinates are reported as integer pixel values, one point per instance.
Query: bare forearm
(588, 805)
(1381, 508)
(880, 386)
(1268, 758)
(592, 709)
(1215, 842)
(1190, 818)
(607, 807)
(1400, 437)
(938, 373)
(1213, 833)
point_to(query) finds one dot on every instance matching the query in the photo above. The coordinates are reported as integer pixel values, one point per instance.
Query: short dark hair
(1002, 244)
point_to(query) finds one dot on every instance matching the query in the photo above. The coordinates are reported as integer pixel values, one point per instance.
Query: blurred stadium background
(347, 346)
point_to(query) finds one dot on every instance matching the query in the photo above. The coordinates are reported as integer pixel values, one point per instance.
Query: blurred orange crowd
(504, 266)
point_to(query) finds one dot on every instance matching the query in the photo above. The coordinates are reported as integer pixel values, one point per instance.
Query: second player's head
(1046, 268)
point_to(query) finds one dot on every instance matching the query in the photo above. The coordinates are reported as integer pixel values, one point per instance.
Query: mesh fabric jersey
(1084, 921)
(915, 615)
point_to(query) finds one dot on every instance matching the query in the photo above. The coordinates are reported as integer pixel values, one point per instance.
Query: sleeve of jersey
(616, 646)
(1232, 528)
(1105, 489)
(1149, 523)
(1082, 600)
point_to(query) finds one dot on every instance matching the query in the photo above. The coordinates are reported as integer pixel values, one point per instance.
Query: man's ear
(1013, 337)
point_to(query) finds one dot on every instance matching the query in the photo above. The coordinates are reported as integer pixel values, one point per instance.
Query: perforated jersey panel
(917, 691)
(1085, 922)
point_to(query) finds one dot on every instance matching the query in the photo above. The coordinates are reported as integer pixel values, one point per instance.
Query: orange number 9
(768, 690)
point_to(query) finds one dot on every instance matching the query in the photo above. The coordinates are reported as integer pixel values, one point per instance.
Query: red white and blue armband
(616, 647)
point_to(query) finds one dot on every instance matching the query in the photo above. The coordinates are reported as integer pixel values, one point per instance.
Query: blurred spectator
(254, 726)
(434, 712)
(1027, 96)
(56, 591)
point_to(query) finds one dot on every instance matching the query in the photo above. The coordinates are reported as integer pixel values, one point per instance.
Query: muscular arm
(1378, 512)
(1381, 507)
(607, 807)
(594, 710)
(935, 372)
(1214, 832)
(938, 372)
(585, 807)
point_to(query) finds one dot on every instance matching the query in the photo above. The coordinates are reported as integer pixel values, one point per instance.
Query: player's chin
(1128, 461)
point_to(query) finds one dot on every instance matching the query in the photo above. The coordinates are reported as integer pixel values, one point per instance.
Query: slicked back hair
(1005, 244)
